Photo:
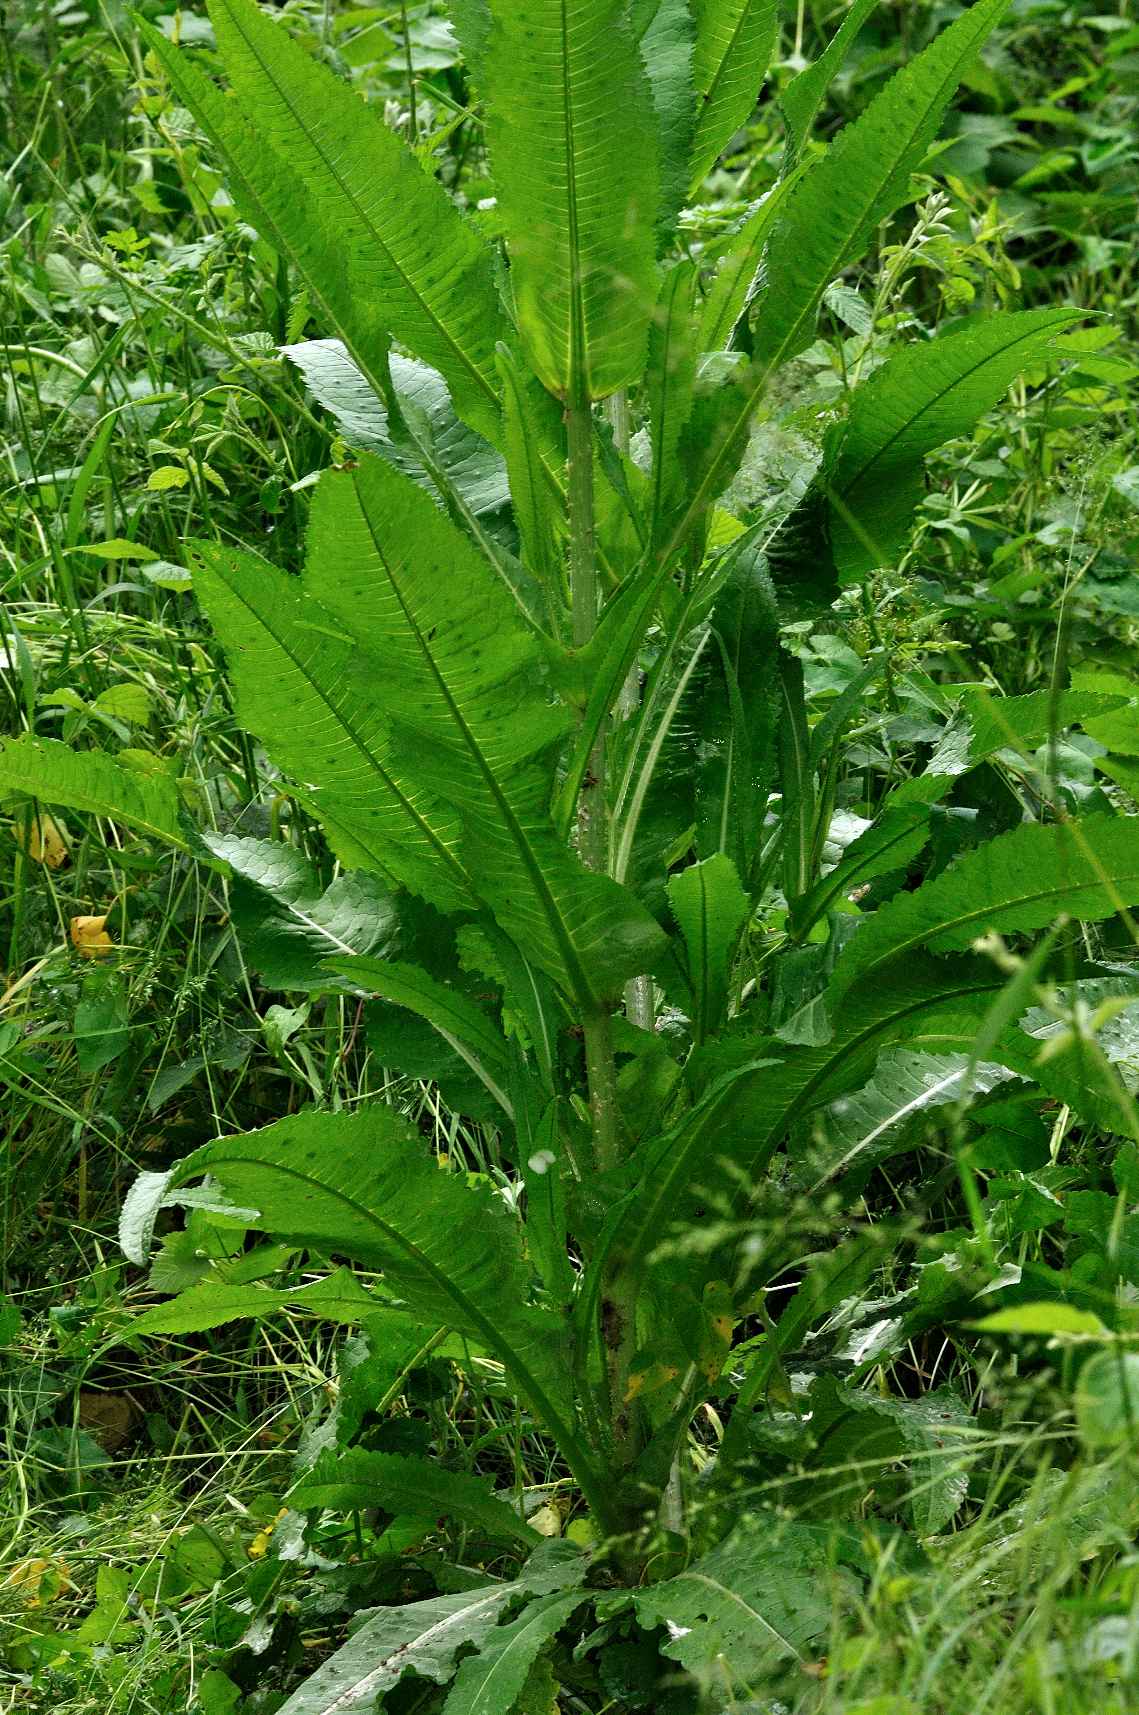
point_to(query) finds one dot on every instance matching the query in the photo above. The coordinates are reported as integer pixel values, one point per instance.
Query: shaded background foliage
(146, 400)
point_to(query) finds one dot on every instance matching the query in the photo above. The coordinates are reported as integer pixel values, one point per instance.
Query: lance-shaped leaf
(755, 1089)
(803, 96)
(573, 146)
(418, 1637)
(353, 1479)
(470, 464)
(491, 1682)
(826, 224)
(528, 435)
(735, 40)
(87, 780)
(919, 398)
(461, 681)
(760, 1598)
(711, 907)
(1020, 881)
(302, 690)
(287, 922)
(870, 1125)
(398, 239)
(736, 708)
(731, 288)
(461, 1024)
(283, 210)
(669, 383)
(422, 1638)
(861, 179)
(667, 51)
(362, 1186)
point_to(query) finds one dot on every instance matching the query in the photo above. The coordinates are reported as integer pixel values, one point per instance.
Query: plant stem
(592, 840)
(618, 1300)
(640, 999)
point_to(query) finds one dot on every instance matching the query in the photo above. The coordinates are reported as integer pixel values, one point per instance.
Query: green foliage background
(147, 402)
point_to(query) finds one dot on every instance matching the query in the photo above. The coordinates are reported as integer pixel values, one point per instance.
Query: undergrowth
(151, 1559)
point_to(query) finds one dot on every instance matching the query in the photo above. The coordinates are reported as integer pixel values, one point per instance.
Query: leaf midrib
(489, 1331)
(441, 328)
(348, 727)
(563, 935)
(942, 393)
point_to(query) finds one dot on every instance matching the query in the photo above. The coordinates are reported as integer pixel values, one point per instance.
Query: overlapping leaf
(362, 1186)
(573, 148)
(395, 237)
(735, 40)
(919, 398)
(461, 682)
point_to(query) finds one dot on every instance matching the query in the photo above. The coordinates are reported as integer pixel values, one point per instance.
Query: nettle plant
(531, 684)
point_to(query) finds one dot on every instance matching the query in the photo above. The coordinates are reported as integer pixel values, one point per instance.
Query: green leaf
(363, 1187)
(337, 1297)
(757, 1088)
(919, 398)
(803, 96)
(761, 1598)
(475, 470)
(396, 236)
(355, 1479)
(1014, 723)
(711, 908)
(1118, 731)
(102, 1020)
(1020, 881)
(738, 273)
(284, 211)
(461, 681)
(862, 178)
(302, 689)
(89, 781)
(890, 843)
(667, 52)
(491, 1682)
(570, 129)
(287, 923)
(526, 428)
(462, 1025)
(1107, 1400)
(873, 1124)
(735, 40)
(1043, 1318)
(735, 708)
(669, 383)
(421, 1638)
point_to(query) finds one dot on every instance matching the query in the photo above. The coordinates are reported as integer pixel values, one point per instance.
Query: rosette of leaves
(564, 764)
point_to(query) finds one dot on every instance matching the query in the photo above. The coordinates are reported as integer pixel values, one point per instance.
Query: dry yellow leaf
(38, 1581)
(43, 838)
(89, 937)
(259, 1547)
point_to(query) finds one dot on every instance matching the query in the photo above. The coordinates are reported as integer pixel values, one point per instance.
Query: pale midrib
(955, 924)
(709, 96)
(488, 1330)
(706, 490)
(936, 399)
(357, 741)
(563, 936)
(428, 309)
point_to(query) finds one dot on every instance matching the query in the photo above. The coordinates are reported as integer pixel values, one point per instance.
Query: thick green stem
(618, 1326)
(592, 835)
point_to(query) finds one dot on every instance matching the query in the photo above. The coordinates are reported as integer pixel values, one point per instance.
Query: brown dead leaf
(109, 1417)
(89, 937)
